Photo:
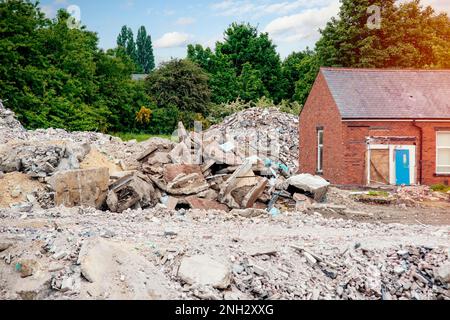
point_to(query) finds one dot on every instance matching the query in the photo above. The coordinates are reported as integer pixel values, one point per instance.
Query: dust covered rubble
(262, 132)
(76, 253)
(204, 170)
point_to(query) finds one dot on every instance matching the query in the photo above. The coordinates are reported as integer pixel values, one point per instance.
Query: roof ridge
(383, 69)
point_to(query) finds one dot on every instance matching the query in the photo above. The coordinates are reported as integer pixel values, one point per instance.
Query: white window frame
(437, 153)
(319, 148)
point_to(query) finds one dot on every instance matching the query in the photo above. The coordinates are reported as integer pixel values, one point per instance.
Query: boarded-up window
(379, 166)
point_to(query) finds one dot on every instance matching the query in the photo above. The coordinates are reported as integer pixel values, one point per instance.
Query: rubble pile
(415, 195)
(81, 253)
(204, 172)
(262, 132)
(214, 169)
(9, 125)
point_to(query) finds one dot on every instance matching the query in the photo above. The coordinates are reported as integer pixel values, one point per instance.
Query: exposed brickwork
(321, 111)
(345, 148)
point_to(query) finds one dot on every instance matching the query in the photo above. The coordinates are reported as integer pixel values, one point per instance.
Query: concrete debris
(204, 271)
(307, 183)
(291, 257)
(443, 273)
(416, 195)
(204, 170)
(119, 270)
(218, 193)
(134, 191)
(8, 120)
(80, 187)
(260, 132)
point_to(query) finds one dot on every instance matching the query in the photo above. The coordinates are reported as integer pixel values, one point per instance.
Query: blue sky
(292, 24)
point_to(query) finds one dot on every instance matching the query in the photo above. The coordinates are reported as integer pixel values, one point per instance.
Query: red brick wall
(355, 134)
(429, 152)
(321, 111)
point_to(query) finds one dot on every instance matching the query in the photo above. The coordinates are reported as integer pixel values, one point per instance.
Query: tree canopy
(55, 76)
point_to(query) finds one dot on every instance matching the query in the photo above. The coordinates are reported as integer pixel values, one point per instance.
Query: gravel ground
(265, 255)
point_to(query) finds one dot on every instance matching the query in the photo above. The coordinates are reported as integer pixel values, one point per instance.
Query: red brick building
(374, 126)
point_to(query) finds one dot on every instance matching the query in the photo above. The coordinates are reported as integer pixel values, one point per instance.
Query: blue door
(402, 167)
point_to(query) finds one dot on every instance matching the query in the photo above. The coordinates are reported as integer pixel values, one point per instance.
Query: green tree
(410, 36)
(308, 68)
(251, 86)
(180, 83)
(292, 73)
(122, 39)
(244, 44)
(223, 81)
(150, 60)
(145, 57)
(53, 76)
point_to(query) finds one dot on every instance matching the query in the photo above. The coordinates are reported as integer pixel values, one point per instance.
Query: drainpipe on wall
(420, 152)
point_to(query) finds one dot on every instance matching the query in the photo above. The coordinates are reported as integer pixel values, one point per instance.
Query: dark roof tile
(388, 94)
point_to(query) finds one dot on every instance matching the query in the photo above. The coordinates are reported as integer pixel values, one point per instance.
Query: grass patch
(440, 188)
(127, 136)
(374, 193)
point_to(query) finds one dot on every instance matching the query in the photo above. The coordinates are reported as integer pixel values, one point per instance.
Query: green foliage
(410, 37)
(145, 57)
(378, 193)
(164, 120)
(440, 188)
(53, 76)
(244, 65)
(139, 137)
(308, 69)
(180, 83)
(140, 51)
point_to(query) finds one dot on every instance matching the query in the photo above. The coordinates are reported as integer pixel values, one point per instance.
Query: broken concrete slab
(159, 157)
(131, 191)
(214, 152)
(255, 193)
(181, 154)
(205, 204)
(203, 270)
(144, 156)
(36, 287)
(172, 171)
(4, 246)
(80, 187)
(443, 273)
(232, 181)
(314, 185)
(102, 261)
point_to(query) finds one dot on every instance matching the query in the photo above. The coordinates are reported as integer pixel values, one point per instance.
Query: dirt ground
(424, 213)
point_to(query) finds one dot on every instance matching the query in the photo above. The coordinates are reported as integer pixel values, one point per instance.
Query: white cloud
(173, 40)
(256, 9)
(49, 11)
(302, 25)
(185, 21)
(438, 5)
